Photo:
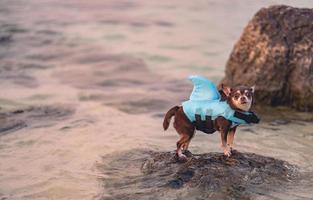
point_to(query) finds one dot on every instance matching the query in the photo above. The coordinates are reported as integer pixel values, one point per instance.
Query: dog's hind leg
(185, 129)
(186, 145)
(181, 145)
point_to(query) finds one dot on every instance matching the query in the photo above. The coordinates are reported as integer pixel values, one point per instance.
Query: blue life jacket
(205, 101)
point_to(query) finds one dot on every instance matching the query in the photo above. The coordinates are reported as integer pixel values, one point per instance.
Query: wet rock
(5, 39)
(7, 126)
(275, 53)
(19, 73)
(35, 117)
(203, 176)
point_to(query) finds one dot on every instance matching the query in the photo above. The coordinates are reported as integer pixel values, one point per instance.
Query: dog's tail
(168, 116)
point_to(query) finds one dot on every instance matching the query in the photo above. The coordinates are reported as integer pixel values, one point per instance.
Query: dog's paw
(187, 153)
(181, 157)
(227, 151)
(230, 148)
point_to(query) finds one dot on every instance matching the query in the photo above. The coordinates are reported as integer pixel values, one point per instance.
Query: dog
(240, 99)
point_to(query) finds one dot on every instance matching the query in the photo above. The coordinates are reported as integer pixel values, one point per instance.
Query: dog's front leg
(225, 147)
(223, 126)
(230, 137)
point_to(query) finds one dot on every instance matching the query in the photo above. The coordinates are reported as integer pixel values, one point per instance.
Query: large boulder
(275, 53)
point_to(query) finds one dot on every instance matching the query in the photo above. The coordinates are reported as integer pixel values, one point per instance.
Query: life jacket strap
(249, 118)
(206, 125)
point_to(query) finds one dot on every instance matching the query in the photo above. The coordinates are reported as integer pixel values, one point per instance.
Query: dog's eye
(236, 96)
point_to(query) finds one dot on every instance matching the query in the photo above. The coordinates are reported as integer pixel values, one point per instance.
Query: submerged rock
(39, 116)
(211, 175)
(275, 53)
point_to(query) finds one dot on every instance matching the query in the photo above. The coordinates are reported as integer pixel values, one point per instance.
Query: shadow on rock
(158, 175)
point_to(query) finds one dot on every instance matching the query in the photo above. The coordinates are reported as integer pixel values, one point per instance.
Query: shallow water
(86, 79)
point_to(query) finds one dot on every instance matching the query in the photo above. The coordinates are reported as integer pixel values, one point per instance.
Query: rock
(203, 176)
(275, 53)
(7, 126)
(5, 38)
(34, 116)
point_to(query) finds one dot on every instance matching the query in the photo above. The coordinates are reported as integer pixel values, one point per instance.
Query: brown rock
(203, 176)
(275, 53)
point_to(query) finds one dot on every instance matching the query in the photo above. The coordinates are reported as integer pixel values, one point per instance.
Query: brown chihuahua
(239, 99)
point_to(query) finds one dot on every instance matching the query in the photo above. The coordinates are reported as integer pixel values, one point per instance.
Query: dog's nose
(242, 99)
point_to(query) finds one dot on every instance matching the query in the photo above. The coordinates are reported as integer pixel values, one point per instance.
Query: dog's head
(239, 98)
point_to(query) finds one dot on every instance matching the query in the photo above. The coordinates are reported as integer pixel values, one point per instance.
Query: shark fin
(203, 89)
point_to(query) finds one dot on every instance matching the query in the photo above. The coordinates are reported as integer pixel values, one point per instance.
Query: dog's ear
(226, 89)
(252, 89)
